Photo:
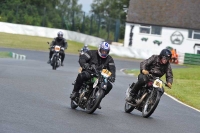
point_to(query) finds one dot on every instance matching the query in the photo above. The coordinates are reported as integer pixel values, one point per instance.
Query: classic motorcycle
(92, 91)
(56, 57)
(148, 97)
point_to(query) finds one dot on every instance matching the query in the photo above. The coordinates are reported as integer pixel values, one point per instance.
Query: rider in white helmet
(99, 58)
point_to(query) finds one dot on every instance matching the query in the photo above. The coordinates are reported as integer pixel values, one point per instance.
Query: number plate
(106, 73)
(157, 83)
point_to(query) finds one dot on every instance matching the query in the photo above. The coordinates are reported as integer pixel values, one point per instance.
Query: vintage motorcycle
(56, 57)
(92, 91)
(148, 97)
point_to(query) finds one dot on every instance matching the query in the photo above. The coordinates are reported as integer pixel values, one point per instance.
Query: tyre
(151, 103)
(128, 108)
(94, 101)
(54, 63)
(73, 104)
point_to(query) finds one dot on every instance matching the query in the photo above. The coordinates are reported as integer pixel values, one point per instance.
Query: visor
(165, 58)
(104, 52)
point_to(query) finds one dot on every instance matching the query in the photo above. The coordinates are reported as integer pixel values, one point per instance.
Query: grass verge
(5, 55)
(186, 84)
(35, 43)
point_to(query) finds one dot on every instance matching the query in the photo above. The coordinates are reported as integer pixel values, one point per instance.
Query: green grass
(5, 55)
(35, 43)
(186, 85)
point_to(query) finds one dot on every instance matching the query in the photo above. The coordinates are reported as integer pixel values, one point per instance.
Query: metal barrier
(193, 59)
(17, 56)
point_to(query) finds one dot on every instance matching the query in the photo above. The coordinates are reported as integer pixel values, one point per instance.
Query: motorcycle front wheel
(151, 103)
(94, 101)
(54, 63)
(73, 104)
(128, 108)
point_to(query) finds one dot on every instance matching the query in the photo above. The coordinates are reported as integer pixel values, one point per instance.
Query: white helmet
(104, 49)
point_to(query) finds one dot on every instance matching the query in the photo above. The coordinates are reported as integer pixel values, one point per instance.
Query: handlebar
(154, 77)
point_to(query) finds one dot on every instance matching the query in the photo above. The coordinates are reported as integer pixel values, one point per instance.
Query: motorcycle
(56, 57)
(92, 91)
(148, 97)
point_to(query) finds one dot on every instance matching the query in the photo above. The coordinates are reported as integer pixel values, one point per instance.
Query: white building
(157, 24)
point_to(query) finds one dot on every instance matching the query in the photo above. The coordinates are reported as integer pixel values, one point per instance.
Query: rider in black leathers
(98, 57)
(61, 42)
(157, 65)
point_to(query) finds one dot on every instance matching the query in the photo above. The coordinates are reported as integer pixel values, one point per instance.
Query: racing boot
(74, 95)
(99, 107)
(133, 92)
(49, 61)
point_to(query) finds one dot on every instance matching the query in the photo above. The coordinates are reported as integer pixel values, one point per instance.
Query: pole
(44, 16)
(83, 23)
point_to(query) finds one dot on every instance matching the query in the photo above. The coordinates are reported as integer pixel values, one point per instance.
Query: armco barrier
(193, 59)
(17, 56)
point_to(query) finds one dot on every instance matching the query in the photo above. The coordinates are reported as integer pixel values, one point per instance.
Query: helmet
(104, 49)
(165, 53)
(85, 45)
(60, 34)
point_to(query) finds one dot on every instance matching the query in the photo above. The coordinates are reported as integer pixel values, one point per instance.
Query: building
(157, 24)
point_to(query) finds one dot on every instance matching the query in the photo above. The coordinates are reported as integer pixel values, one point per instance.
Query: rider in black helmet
(157, 65)
(59, 40)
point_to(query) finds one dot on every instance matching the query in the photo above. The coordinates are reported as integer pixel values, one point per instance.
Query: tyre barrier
(17, 56)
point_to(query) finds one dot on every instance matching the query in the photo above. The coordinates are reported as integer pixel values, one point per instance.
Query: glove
(169, 85)
(145, 72)
(111, 79)
(86, 66)
(63, 48)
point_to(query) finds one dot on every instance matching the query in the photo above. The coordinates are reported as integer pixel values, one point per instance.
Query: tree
(110, 11)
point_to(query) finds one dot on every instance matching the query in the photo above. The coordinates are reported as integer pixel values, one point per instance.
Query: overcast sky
(85, 5)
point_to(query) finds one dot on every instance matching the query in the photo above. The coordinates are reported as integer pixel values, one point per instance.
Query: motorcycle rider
(85, 48)
(59, 40)
(157, 65)
(98, 58)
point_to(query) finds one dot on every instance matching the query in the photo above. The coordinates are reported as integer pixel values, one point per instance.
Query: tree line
(105, 17)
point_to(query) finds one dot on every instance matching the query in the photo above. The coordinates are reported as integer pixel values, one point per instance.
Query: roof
(169, 13)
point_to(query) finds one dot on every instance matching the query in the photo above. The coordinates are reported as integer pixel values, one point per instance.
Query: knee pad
(142, 78)
(84, 75)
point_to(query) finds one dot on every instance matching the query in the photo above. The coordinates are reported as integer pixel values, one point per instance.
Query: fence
(193, 59)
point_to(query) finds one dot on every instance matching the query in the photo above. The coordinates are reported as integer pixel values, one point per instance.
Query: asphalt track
(35, 99)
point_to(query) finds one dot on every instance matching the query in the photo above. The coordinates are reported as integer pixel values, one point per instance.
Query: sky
(85, 5)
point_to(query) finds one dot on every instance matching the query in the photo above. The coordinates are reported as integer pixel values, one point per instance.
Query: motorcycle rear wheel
(93, 103)
(151, 104)
(128, 108)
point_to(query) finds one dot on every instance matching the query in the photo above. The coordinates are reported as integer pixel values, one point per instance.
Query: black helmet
(60, 34)
(166, 53)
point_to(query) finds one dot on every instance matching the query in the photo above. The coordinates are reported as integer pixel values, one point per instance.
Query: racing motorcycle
(92, 91)
(148, 97)
(56, 57)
